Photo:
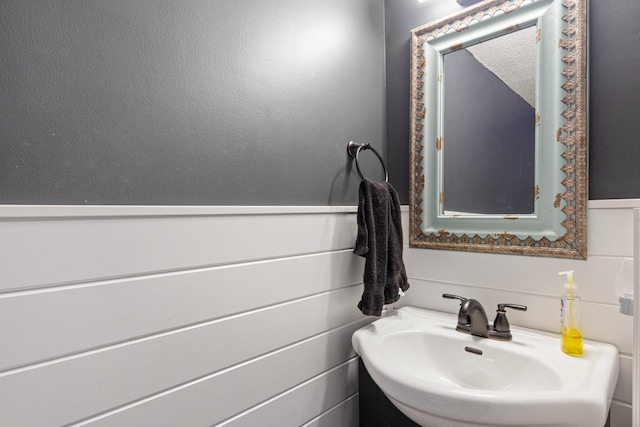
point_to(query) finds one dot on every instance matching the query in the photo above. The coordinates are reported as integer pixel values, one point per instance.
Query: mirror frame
(557, 228)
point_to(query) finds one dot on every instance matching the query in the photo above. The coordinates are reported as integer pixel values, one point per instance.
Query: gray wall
(194, 102)
(614, 152)
(246, 102)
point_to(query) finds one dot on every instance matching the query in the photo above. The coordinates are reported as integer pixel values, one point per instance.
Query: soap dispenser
(570, 317)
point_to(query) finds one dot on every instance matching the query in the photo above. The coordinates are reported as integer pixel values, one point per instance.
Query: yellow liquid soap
(572, 341)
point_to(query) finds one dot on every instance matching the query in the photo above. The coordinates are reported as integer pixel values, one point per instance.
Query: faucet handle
(501, 307)
(450, 296)
(464, 321)
(501, 325)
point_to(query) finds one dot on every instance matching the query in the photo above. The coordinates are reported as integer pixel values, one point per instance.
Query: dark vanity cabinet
(376, 410)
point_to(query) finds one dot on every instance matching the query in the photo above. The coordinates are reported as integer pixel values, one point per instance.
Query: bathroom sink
(440, 377)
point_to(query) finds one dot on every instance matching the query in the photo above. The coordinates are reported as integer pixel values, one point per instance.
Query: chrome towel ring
(354, 148)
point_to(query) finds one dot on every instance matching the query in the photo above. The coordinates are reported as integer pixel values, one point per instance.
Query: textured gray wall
(400, 18)
(194, 102)
(614, 127)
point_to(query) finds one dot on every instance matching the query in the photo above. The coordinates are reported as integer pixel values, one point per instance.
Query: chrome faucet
(472, 319)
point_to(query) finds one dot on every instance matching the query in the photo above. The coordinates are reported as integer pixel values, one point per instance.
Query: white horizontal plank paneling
(62, 320)
(302, 403)
(43, 252)
(621, 415)
(635, 382)
(605, 323)
(75, 388)
(542, 312)
(344, 414)
(614, 204)
(22, 212)
(595, 277)
(623, 391)
(206, 401)
(608, 232)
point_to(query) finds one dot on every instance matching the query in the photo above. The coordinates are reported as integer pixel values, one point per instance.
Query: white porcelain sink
(419, 361)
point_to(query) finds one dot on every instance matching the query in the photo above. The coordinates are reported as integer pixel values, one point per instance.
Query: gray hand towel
(379, 240)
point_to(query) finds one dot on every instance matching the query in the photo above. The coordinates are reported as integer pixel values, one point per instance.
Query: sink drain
(473, 350)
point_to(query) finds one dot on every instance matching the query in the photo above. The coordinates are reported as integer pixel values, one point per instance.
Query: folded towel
(379, 240)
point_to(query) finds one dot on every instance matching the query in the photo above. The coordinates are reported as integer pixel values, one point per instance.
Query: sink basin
(440, 377)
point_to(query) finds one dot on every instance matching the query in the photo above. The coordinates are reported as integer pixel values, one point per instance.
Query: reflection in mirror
(499, 129)
(489, 126)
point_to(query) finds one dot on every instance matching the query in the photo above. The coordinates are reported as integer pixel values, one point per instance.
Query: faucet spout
(477, 322)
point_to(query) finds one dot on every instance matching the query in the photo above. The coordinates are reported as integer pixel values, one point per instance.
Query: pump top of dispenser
(570, 288)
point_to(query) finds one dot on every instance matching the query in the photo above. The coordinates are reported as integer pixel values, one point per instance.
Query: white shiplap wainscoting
(178, 316)
(635, 386)
(534, 282)
(240, 316)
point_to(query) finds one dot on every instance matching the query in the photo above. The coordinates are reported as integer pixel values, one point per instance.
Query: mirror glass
(498, 129)
(489, 119)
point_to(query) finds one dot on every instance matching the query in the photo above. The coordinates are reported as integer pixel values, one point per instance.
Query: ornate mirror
(499, 129)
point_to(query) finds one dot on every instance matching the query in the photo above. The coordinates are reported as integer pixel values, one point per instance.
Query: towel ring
(354, 148)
